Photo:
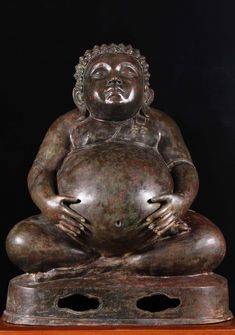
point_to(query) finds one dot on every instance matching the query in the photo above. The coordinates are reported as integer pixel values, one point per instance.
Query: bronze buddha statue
(114, 182)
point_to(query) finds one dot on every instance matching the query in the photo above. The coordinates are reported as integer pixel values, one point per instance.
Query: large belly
(114, 182)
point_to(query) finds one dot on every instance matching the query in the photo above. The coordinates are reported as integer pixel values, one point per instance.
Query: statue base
(118, 299)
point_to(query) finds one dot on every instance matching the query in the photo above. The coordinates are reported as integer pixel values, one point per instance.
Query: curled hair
(104, 49)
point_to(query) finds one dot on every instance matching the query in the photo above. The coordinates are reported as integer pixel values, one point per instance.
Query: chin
(115, 100)
(113, 111)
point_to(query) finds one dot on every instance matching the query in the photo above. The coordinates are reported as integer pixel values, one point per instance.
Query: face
(113, 87)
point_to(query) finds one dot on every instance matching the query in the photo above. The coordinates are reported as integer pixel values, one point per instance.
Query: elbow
(34, 174)
(186, 180)
(30, 179)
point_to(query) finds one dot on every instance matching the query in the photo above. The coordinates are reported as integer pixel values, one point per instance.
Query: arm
(175, 154)
(186, 183)
(42, 177)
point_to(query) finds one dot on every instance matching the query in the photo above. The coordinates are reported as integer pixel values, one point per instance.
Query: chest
(91, 131)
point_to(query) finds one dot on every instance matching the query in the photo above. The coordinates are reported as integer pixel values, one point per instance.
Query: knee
(208, 244)
(20, 243)
(213, 247)
(200, 250)
(36, 245)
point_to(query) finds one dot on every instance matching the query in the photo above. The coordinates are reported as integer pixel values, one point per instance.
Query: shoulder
(161, 119)
(68, 120)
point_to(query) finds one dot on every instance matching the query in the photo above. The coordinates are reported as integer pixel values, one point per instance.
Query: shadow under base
(118, 299)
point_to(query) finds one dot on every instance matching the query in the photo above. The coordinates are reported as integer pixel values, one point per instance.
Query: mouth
(113, 92)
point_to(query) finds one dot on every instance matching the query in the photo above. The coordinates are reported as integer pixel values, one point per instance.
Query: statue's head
(112, 82)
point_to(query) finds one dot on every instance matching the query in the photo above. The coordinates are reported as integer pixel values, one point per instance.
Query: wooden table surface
(223, 328)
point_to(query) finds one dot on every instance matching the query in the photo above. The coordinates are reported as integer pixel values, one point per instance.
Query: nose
(114, 80)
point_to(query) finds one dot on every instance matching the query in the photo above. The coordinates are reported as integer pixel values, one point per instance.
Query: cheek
(89, 90)
(136, 85)
(137, 92)
(93, 93)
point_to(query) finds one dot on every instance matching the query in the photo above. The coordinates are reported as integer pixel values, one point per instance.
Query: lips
(113, 91)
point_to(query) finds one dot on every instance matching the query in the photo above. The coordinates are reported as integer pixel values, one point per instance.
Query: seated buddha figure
(114, 182)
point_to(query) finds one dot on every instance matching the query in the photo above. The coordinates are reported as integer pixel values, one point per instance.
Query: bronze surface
(114, 182)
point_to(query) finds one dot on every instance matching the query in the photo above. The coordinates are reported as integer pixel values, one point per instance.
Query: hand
(57, 209)
(167, 217)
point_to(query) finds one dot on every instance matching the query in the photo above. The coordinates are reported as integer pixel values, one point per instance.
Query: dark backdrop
(190, 48)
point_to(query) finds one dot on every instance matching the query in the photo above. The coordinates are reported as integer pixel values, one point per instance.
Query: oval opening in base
(157, 303)
(79, 303)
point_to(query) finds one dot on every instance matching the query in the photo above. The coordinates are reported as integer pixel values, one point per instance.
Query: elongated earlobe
(78, 99)
(147, 100)
(148, 96)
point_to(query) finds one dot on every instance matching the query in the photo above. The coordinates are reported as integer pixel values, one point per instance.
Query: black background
(190, 48)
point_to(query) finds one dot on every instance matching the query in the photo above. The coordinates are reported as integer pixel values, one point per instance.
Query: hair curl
(104, 49)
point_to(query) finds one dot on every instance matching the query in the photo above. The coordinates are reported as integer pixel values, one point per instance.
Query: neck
(116, 121)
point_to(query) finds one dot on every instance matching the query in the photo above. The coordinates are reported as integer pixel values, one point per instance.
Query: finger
(152, 217)
(71, 234)
(152, 225)
(73, 214)
(149, 220)
(74, 229)
(160, 221)
(154, 201)
(77, 226)
(68, 225)
(164, 227)
(71, 221)
(160, 199)
(158, 235)
(143, 232)
(62, 226)
(84, 229)
(69, 199)
(182, 226)
(80, 226)
(157, 223)
(164, 209)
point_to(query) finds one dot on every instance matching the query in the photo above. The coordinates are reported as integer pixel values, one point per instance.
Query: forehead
(114, 60)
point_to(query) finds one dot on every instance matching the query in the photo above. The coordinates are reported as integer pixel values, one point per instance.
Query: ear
(148, 96)
(78, 99)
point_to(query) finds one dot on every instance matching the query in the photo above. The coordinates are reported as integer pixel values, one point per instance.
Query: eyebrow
(96, 66)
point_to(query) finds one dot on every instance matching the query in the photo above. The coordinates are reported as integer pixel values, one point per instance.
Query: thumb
(160, 199)
(70, 199)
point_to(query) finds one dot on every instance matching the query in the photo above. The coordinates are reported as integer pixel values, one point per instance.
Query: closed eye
(128, 70)
(100, 71)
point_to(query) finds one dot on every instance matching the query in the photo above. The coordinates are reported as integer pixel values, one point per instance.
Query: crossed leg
(36, 244)
(200, 250)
